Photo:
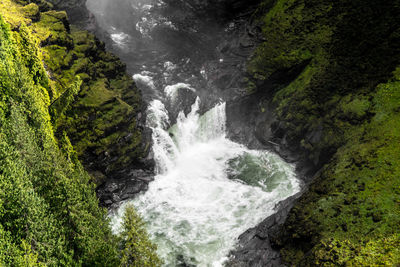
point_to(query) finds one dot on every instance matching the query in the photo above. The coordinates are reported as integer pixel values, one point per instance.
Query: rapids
(208, 189)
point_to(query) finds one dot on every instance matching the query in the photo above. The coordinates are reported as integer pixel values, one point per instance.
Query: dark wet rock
(76, 10)
(111, 188)
(182, 100)
(131, 190)
(222, 9)
(254, 247)
(241, 121)
(314, 137)
(124, 187)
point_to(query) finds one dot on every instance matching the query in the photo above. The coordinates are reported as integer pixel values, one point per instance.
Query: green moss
(97, 94)
(353, 207)
(53, 28)
(287, 45)
(355, 108)
(338, 104)
(31, 11)
(42, 4)
(108, 100)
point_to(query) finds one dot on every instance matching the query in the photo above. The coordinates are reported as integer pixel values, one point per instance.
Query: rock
(134, 188)
(146, 179)
(116, 198)
(182, 100)
(222, 9)
(125, 185)
(314, 137)
(111, 188)
(254, 247)
(32, 11)
(246, 41)
(76, 9)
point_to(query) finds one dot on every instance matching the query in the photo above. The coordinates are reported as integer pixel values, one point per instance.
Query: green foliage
(49, 213)
(356, 108)
(102, 119)
(137, 250)
(351, 212)
(61, 104)
(290, 42)
(19, 256)
(337, 60)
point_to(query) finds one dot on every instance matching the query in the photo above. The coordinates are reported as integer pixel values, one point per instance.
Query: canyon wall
(331, 72)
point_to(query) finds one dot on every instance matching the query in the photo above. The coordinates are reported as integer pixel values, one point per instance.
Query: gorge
(207, 189)
(245, 133)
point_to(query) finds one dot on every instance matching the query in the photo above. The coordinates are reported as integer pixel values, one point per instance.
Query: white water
(194, 212)
(208, 189)
(144, 80)
(171, 91)
(120, 39)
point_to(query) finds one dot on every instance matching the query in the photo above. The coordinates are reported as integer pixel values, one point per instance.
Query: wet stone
(108, 202)
(112, 188)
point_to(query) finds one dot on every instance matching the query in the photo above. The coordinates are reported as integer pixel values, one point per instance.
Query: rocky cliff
(76, 9)
(331, 72)
(105, 123)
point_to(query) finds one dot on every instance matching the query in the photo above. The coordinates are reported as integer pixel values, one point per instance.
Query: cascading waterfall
(208, 189)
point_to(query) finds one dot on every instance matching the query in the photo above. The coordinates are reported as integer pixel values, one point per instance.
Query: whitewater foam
(194, 212)
(120, 39)
(171, 91)
(144, 80)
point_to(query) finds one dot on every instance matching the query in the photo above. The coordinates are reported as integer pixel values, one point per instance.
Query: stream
(208, 189)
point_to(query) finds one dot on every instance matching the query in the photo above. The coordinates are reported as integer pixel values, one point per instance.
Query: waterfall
(208, 189)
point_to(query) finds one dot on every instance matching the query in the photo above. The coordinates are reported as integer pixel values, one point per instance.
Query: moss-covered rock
(101, 121)
(76, 9)
(331, 69)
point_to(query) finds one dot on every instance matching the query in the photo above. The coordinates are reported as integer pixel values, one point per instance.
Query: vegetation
(332, 69)
(49, 213)
(138, 250)
(101, 122)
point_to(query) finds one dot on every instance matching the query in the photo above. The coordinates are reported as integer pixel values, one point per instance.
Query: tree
(137, 250)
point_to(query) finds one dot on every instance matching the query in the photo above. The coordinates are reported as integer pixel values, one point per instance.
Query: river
(208, 189)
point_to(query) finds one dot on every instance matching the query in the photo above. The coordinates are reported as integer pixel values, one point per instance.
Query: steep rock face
(105, 122)
(330, 70)
(76, 9)
(223, 9)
